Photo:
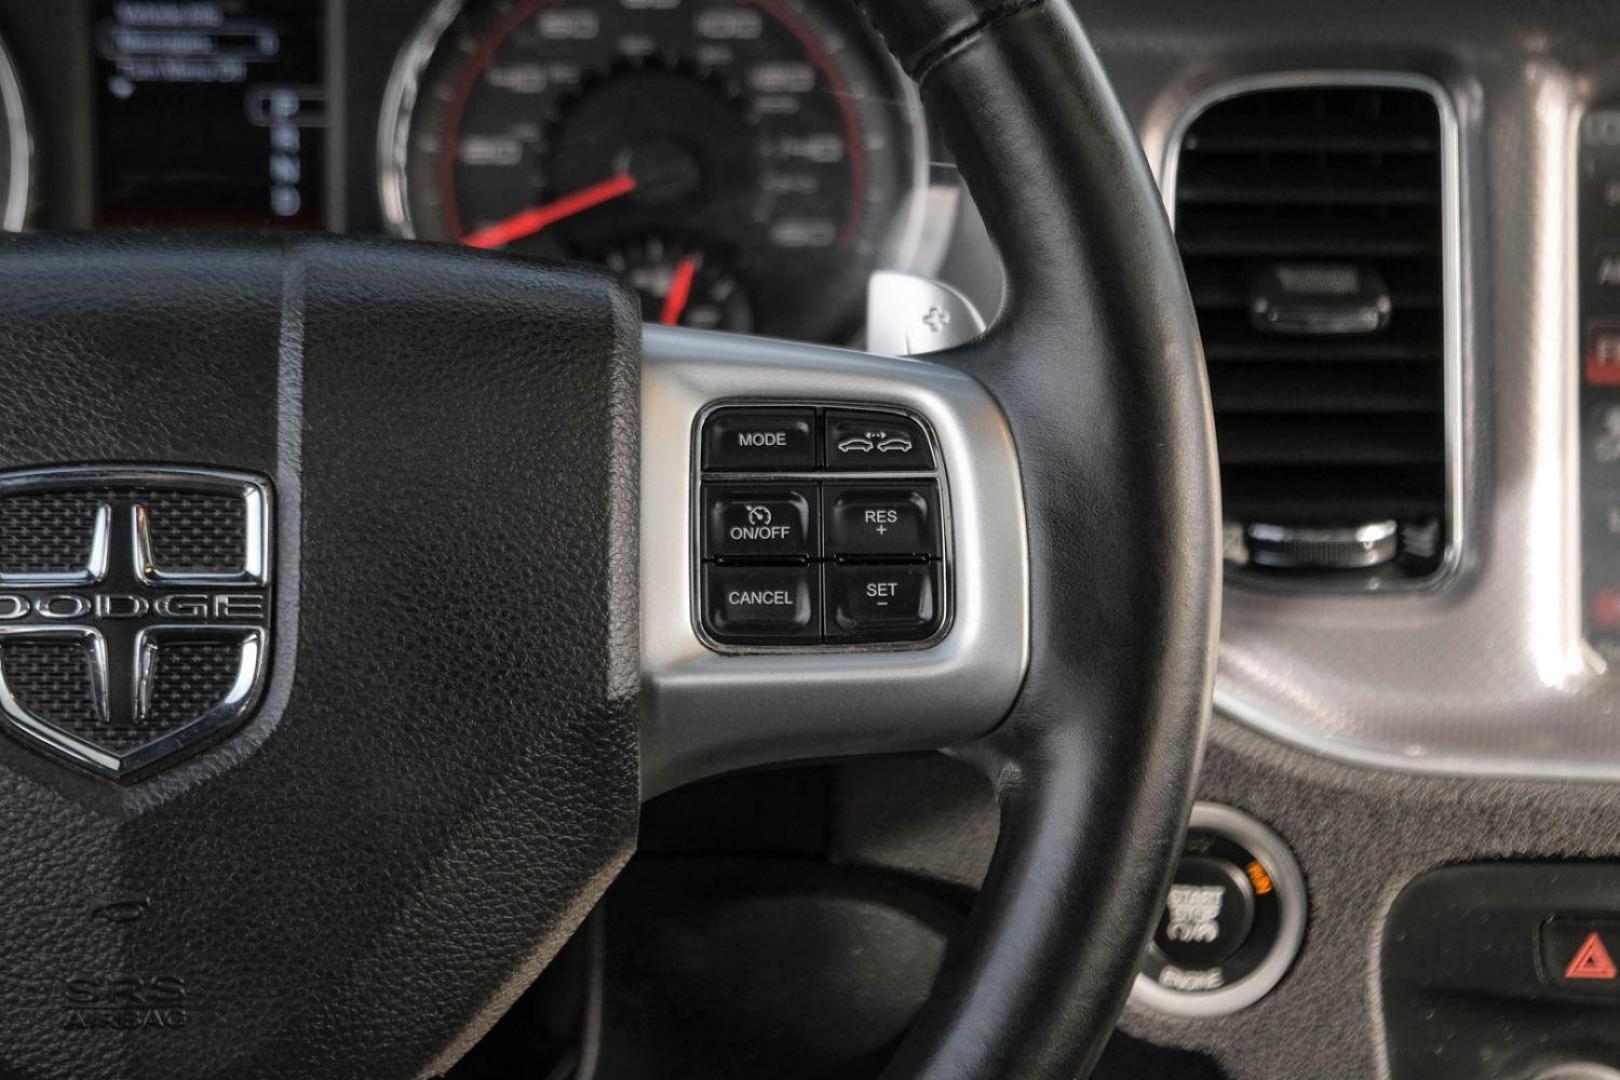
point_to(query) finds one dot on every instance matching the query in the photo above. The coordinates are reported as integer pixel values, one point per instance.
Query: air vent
(1311, 224)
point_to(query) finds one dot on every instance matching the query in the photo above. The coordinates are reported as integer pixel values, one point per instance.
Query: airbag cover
(442, 775)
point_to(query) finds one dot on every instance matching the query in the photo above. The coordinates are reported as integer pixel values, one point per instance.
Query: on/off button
(764, 522)
(759, 440)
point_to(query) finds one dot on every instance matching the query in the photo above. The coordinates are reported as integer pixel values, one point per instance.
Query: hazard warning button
(1579, 955)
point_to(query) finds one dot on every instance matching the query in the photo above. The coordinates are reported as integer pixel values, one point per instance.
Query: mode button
(759, 440)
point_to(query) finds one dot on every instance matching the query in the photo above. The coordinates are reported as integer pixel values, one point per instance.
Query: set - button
(881, 602)
(809, 556)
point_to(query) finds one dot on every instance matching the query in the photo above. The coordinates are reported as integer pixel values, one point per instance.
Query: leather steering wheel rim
(1097, 363)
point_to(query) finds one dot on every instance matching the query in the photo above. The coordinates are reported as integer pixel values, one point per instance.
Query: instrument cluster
(744, 164)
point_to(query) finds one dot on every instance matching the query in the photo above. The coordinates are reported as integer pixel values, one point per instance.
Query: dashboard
(745, 164)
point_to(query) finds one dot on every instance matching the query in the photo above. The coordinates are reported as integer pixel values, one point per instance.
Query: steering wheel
(434, 515)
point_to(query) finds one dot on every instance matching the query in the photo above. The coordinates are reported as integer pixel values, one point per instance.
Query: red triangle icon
(1592, 961)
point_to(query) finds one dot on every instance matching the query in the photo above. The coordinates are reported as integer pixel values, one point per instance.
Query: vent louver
(1310, 221)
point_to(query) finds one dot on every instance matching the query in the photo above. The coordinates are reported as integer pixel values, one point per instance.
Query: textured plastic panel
(46, 533)
(189, 677)
(52, 680)
(194, 530)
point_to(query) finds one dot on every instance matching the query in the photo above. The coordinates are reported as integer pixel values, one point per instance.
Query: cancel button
(755, 605)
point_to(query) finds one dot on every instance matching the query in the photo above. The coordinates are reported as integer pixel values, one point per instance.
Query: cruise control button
(759, 522)
(758, 440)
(872, 519)
(761, 604)
(894, 602)
(876, 440)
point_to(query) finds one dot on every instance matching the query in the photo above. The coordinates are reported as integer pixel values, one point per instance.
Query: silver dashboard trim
(14, 210)
(1451, 288)
(1484, 675)
(1563, 705)
(394, 123)
(706, 713)
(1577, 1070)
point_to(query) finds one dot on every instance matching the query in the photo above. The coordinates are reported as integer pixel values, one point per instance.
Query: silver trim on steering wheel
(709, 713)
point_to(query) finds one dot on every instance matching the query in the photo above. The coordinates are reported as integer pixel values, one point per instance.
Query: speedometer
(745, 164)
(14, 147)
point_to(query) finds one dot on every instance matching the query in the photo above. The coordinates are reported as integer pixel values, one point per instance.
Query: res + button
(880, 520)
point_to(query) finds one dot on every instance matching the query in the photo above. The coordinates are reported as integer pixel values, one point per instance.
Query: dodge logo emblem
(134, 610)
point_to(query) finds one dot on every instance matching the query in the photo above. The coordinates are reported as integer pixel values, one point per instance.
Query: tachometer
(746, 163)
(14, 148)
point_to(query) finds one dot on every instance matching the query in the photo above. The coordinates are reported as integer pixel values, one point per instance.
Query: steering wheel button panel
(753, 440)
(882, 602)
(871, 520)
(769, 604)
(760, 522)
(723, 703)
(868, 440)
(881, 542)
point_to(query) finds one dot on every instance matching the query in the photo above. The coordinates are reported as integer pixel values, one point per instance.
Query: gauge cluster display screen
(209, 112)
(745, 164)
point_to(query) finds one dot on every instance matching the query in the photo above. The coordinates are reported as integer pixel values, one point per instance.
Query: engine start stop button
(1233, 920)
(1208, 914)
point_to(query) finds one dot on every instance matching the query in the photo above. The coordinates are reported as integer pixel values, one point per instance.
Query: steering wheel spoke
(819, 687)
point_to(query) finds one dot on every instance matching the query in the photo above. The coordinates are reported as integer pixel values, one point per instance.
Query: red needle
(528, 222)
(680, 290)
